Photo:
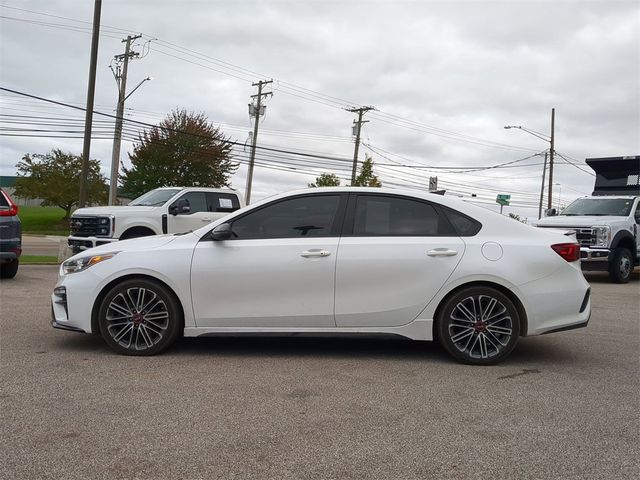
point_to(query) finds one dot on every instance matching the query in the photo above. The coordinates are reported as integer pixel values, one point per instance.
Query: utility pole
(551, 152)
(544, 173)
(357, 126)
(255, 110)
(88, 117)
(121, 80)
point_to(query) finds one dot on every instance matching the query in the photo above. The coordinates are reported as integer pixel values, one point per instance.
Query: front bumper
(79, 244)
(588, 254)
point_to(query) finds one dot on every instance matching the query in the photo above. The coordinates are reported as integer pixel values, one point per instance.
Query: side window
(310, 216)
(196, 200)
(222, 202)
(464, 226)
(396, 216)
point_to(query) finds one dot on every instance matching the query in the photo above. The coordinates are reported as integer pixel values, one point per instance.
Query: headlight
(82, 263)
(601, 236)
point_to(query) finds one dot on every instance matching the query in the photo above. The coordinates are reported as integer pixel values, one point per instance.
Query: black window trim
(349, 221)
(336, 227)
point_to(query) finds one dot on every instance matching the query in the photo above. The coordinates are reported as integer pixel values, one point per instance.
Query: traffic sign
(503, 198)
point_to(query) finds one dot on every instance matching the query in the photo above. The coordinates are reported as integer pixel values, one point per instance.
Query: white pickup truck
(163, 210)
(607, 223)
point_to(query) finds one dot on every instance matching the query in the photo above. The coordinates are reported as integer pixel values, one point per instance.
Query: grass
(43, 221)
(38, 260)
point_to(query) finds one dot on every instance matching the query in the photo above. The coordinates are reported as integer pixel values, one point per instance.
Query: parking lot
(562, 406)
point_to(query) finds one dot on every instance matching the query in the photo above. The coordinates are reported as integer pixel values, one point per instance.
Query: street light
(117, 136)
(550, 139)
(138, 86)
(559, 194)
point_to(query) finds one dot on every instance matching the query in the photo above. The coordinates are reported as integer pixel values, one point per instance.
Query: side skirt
(420, 329)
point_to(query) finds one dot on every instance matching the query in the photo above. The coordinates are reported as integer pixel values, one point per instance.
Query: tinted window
(395, 216)
(196, 201)
(298, 217)
(464, 226)
(155, 197)
(3, 200)
(222, 202)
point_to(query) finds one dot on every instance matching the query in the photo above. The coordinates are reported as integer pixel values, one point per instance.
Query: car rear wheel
(9, 269)
(479, 326)
(139, 317)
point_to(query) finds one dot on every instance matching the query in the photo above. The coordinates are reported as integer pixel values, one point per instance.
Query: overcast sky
(445, 77)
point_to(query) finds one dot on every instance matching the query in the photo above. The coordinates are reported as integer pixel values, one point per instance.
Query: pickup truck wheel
(621, 265)
(139, 317)
(9, 269)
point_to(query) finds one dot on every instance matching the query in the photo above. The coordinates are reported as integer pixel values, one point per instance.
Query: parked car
(10, 237)
(163, 210)
(333, 261)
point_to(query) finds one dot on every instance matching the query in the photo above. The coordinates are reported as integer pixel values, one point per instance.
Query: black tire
(139, 317)
(9, 269)
(478, 326)
(621, 265)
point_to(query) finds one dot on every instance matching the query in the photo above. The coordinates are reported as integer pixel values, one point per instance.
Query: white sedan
(333, 261)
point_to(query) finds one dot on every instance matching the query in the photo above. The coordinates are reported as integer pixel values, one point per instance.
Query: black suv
(10, 237)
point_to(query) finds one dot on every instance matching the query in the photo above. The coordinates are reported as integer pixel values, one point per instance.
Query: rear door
(395, 254)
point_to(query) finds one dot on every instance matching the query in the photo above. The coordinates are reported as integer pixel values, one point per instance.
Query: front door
(399, 254)
(277, 271)
(196, 216)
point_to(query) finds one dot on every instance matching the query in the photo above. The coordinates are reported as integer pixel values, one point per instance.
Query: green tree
(185, 149)
(326, 180)
(366, 178)
(55, 178)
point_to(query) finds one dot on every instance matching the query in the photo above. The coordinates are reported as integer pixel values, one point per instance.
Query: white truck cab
(160, 211)
(607, 224)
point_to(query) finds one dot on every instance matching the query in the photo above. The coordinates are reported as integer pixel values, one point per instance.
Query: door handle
(206, 219)
(442, 252)
(315, 253)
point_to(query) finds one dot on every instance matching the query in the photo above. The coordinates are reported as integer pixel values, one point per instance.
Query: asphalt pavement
(564, 406)
(41, 245)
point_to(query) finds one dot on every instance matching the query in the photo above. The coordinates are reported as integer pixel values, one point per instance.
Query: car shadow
(533, 351)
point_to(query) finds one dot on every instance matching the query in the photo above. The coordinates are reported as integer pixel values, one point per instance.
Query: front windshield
(599, 207)
(155, 197)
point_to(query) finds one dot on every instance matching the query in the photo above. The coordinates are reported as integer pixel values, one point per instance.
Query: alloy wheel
(480, 327)
(137, 318)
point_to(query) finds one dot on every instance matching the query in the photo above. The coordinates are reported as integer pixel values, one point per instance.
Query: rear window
(3, 200)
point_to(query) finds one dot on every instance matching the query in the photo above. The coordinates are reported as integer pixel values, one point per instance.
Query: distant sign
(503, 199)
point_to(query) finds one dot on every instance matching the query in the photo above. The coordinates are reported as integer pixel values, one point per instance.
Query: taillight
(12, 210)
(569, 251)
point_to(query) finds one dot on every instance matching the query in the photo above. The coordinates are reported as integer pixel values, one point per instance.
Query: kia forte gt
(333, 261)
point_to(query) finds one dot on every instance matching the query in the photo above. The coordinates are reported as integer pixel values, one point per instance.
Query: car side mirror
(221, 232)
(551, 212)
(181, 206)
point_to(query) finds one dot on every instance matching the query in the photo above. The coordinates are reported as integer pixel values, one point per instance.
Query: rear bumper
(561, 301)
(84, 243)
(10, 250)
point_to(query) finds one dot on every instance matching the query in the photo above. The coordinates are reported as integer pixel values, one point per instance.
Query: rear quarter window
(464, 225)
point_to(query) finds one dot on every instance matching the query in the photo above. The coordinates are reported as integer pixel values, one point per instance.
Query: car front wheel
(479, 326)
(139, 317)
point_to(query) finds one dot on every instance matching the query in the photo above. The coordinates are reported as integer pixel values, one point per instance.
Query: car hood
(132, 245)
(562, 221)
(112, 210)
